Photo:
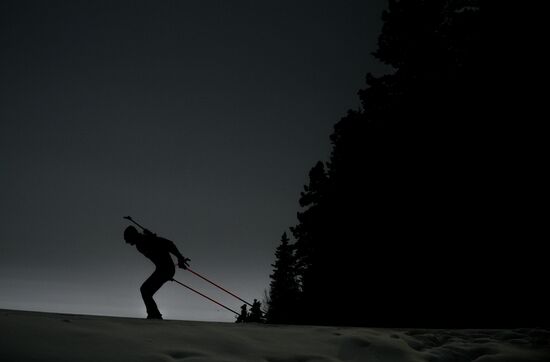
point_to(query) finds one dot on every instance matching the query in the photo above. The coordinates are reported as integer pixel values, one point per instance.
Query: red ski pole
(216, 285)
(205, 296)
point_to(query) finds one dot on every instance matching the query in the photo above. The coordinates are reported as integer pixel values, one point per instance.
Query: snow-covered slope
(32, 336)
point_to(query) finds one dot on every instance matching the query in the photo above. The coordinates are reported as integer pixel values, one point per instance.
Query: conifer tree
(284, 288)
(307, 232)
(256, 314)
(243, 316)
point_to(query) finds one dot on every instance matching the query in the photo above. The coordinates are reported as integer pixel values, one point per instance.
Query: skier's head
(131, 235)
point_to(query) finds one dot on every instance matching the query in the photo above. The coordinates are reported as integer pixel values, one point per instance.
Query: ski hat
(130, 233)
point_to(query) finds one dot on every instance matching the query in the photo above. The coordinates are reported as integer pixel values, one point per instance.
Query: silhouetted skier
(158, 250)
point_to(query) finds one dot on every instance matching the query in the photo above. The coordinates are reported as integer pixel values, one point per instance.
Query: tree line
(405, 224)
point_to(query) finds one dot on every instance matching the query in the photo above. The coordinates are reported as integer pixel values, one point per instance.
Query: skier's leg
(148, 289)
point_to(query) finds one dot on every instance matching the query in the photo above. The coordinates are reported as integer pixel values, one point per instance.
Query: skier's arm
(173, 249)
(182, 261)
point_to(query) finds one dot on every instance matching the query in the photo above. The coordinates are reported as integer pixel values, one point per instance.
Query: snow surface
(34, 336)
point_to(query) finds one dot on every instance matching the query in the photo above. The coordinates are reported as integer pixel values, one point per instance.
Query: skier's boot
(154, 316)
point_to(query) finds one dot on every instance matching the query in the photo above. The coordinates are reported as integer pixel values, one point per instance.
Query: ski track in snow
(34, 336)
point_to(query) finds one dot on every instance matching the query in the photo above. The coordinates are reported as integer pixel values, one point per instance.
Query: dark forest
(417, 218)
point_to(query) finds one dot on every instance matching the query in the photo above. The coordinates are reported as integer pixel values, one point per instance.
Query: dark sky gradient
(199, 118)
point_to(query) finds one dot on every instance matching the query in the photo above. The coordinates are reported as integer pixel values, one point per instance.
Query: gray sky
(201, 119)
